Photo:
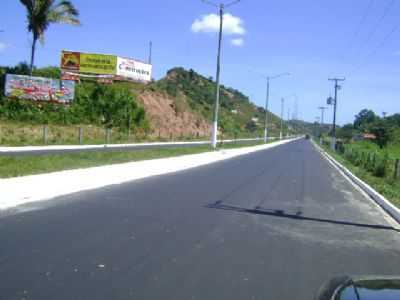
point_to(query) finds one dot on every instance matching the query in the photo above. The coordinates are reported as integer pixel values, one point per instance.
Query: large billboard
(107, 65)
(39, 88)
(133, 69)
(89, 63)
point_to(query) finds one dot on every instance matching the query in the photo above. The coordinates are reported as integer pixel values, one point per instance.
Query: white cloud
(237, 42)
(3, 46)
(210, 23)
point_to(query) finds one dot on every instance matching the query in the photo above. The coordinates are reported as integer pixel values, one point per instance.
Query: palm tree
(41, 13)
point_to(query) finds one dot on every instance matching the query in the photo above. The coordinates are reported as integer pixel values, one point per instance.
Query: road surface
(273, 224)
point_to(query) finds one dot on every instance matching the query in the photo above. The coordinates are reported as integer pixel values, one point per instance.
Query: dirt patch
(172, 118)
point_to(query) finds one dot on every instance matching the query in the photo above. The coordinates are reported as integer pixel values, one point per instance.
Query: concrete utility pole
(282, 109)
(269, 78)
(150, 52)
(221, 7)
(337, 87)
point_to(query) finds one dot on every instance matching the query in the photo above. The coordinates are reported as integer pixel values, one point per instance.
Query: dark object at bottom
(360, 288)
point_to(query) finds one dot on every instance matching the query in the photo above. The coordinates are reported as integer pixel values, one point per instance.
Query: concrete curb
(57, 148)
(385, 204)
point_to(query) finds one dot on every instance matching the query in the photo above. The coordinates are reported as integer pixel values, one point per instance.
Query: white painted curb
(5, 150)
(392, 210)
(21, 190)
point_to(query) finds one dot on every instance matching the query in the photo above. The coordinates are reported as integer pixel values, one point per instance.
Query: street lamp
(282, 111)
(221, 7)
(269, 78)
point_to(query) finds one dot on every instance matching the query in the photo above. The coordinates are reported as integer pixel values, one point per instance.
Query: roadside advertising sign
(39, 88)
(89, 63)
(83, 64)
(98, 64)
(133, 69)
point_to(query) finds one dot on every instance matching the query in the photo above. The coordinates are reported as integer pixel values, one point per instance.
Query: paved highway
(269, 225)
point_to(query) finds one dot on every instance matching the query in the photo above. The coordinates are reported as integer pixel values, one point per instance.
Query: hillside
(190, 92)
(179, 106)
(310, 128)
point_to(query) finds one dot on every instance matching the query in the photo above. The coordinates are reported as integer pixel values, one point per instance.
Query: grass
(388, 187)
(13, 166)
(23, 134)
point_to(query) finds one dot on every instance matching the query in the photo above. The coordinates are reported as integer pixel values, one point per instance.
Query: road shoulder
(370, 193)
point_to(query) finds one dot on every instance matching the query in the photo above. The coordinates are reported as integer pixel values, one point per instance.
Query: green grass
(388, 187)
(13, 166)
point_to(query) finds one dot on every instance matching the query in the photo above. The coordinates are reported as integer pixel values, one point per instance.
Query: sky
(313, 40)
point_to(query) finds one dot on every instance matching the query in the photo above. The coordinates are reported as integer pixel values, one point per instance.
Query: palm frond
(64, 12)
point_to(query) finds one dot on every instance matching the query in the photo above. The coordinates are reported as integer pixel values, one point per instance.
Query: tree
(41, 13)
(382, 133)
(364, 119)
(346, 132)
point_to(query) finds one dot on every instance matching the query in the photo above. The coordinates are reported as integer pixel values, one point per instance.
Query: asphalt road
(274, 225)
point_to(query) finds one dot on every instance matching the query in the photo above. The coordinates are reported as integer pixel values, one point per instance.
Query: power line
(375, 28)
(376, 49)
(360, 24)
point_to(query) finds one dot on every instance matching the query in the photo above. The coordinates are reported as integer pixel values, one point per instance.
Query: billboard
(133, 69)
(70, 61)
(79, 63)
(89, 63)
(39, 88)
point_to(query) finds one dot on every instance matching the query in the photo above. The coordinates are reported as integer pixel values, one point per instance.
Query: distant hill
(310, 128)
(192, 92)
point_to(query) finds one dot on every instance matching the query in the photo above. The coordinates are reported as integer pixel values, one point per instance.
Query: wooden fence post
(397, 169)
(80, 135)
(45, 134)
(108, 135)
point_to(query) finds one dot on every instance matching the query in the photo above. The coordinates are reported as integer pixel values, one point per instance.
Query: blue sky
(311, 39)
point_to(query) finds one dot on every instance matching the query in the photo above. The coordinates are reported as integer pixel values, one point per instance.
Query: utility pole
(337, 87)
(150, 52)
(269, 78)
(282, 109)
(221, 7)
(288, 122)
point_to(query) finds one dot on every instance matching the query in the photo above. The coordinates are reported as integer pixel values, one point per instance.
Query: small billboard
(39, 89)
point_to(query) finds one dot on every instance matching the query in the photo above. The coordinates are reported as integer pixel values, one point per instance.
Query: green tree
(116, 105)
(42, 13)
(346, 132)
(364, 119)
(382, 133)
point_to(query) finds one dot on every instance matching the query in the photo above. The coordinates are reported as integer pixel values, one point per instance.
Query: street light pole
(282, 108)
(221, 7)
(322, 109)
(266, 113)
(269, 78)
